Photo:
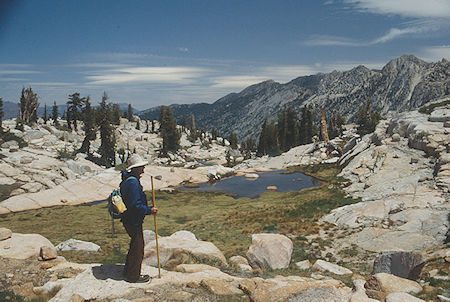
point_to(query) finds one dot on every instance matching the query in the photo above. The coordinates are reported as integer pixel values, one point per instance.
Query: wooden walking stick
(156, 230)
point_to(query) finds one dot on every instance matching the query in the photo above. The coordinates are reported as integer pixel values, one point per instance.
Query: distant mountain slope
(404, 83)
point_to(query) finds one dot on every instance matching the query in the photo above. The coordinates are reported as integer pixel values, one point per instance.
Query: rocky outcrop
(176, 249)
(77, 245)
(402, 264)
(325, 266)
(23, 246)
(388, 284)
(404, 200)
(270, 251)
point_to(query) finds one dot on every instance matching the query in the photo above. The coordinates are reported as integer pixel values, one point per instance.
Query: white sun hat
(135, 161)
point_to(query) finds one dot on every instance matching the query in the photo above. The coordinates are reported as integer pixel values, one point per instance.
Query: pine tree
(89, 126)
(44, 116)
(116, 113)
(184, 123)
(107, 137)
(138, 124)
(130, 113)
(288, 129)
(335, 125)
(233, 141)
(192, 125)
(74, 106)
(367, 119)
(1, 114)
(55, 114)
(168, 131)
(28, 105)
(268, 142)
(306, 131)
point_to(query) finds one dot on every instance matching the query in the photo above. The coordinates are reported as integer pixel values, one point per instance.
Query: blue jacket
(135, 200)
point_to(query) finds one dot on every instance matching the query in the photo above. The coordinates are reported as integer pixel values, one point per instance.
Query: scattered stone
(402, 264)
(195, 268)
(270, 251)
(414, 160)
(402, 297)
(48, 253)
(443, 298)
(220, 287)
(304, 265)
(5, 234)
(388, 283)
(359, 292)
(272, 188)
(251, 176)
(396, 137)
(325, 266)
(77, 245)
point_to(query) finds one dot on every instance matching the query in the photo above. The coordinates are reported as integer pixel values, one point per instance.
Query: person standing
(136, 202)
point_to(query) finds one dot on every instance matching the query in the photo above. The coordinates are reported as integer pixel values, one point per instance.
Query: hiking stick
(156, 230)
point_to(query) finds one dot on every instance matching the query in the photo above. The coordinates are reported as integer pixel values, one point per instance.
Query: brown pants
(132, 270)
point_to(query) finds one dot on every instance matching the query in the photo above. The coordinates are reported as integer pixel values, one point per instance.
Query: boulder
(33, 134)
(195, 268)
(399, 263)
(325, 266)
(396, 137)
(388, 283)
(304, 265)
(182, 243)
(271, 251)
(48, 253)
(272, 188)
(184, 235)
(77, 245)
(23, 246)
(359, 292)
(5, 234)
(402, 297)
(220, 287)
(349, 145)
(241, 263)
(251, 176)
(149, 235)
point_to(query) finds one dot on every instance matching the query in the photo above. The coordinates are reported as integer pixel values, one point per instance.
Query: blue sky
(155, 52)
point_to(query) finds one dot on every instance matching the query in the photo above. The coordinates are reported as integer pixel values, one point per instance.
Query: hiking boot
(141, 279)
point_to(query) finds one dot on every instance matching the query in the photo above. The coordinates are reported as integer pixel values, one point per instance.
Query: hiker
(132, 219)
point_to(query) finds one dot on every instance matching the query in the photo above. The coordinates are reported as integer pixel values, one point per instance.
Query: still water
(243, 187)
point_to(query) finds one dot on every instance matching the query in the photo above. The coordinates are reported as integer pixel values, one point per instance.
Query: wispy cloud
(326, 40)
(172, 75)
(183, 49)
(404, 8)
(394, 33)
(237, 81)
(19, 72)
(435, 53)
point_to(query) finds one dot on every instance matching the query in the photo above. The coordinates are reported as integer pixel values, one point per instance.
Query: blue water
(239, 186)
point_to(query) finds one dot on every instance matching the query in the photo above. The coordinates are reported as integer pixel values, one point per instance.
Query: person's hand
(154, 210)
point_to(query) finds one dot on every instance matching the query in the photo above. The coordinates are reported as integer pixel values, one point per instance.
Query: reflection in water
(243, 187)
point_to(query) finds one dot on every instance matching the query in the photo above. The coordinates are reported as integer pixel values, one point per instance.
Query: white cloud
(325, 40)
(19, 72)
(171, 75)
(237, 81)
(183, 49)
(405, 8)
(394, 33)
(435, 53)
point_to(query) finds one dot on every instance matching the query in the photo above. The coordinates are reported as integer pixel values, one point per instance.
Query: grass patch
(428, 109)
(215, 217)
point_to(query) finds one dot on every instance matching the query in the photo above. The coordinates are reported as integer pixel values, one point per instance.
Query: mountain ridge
(404, 83)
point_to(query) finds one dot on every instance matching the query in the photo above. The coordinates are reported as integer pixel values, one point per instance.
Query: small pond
(240, 186)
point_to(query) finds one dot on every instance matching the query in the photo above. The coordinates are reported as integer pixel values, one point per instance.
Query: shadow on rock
(108, 271)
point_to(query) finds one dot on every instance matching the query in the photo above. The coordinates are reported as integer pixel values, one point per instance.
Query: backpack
(116, 206)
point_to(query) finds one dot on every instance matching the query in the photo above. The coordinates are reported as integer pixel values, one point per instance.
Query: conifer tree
(184, 123)
(192, 125)
(335, 125)
(107, 137)
(288, 129)
(367, 119)
(116, 113)
(168, 131)
(306, 131)
(138, 124)
(28, 105)
(233, 140)
(74, 106)
(89, 126)
(130, 113)
(268, 142)
(55, 114)
(44, 116)
(2, 113)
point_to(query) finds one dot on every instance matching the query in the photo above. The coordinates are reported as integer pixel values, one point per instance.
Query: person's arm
(135, 198)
